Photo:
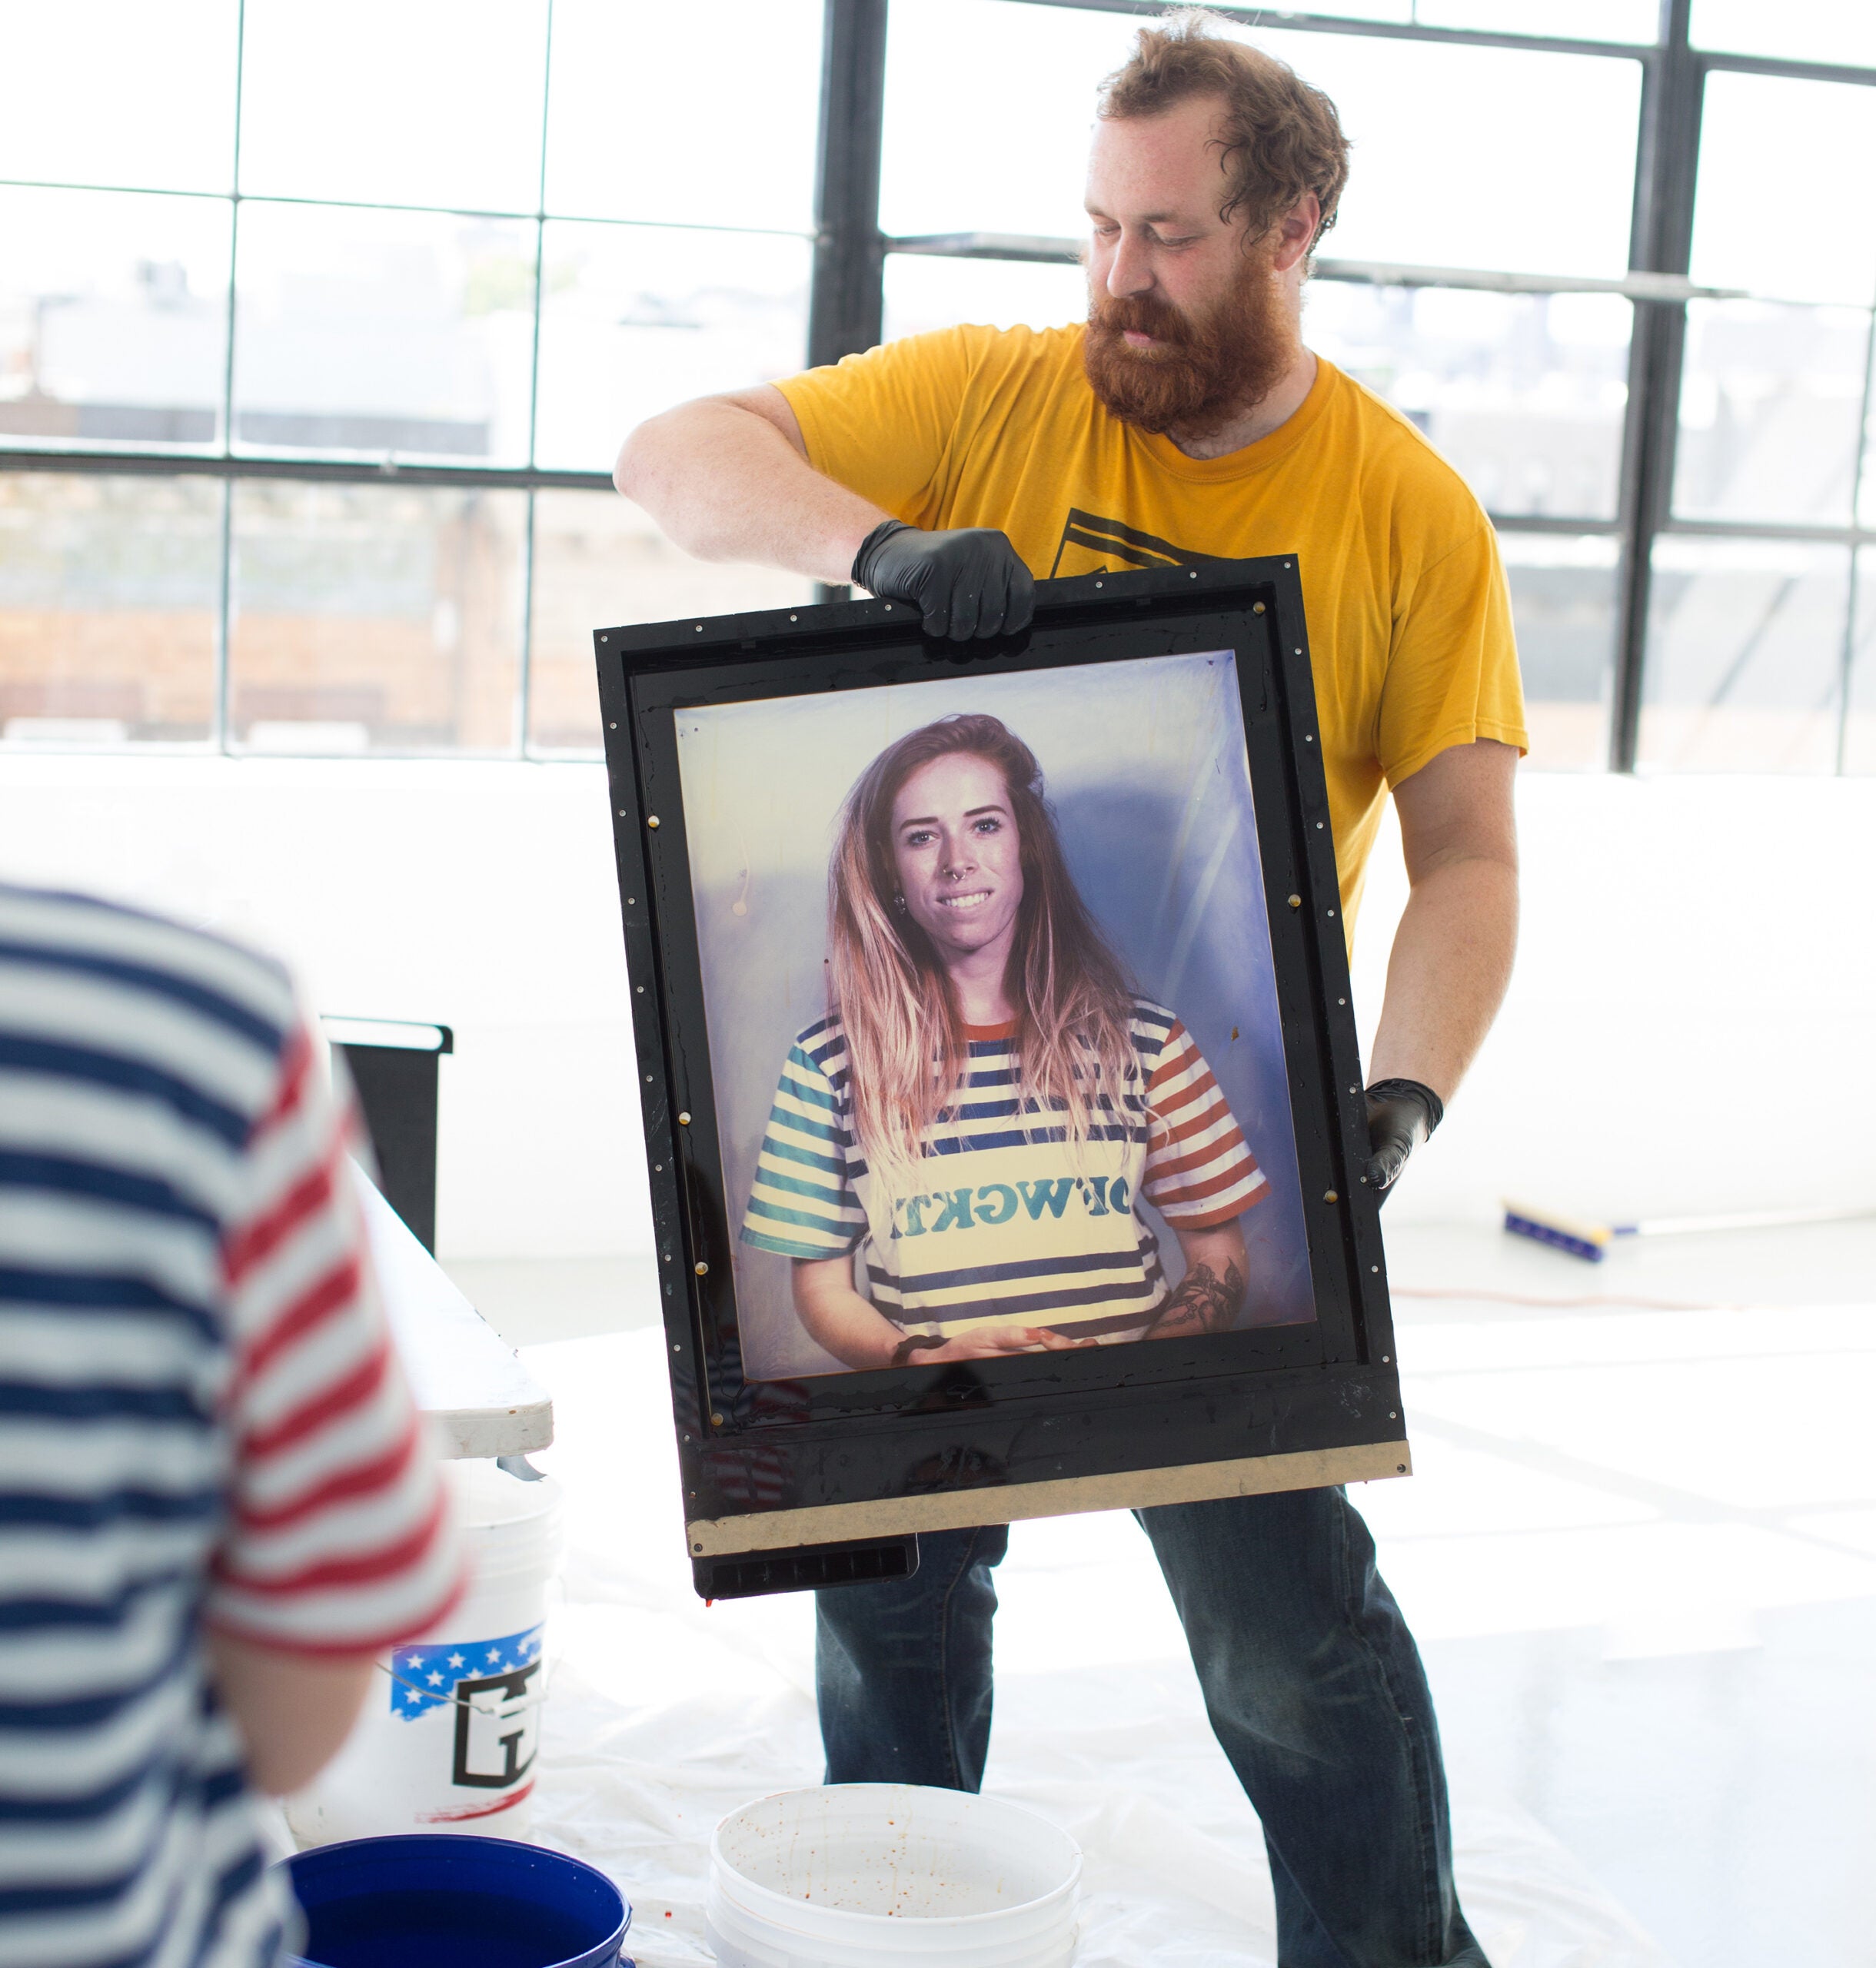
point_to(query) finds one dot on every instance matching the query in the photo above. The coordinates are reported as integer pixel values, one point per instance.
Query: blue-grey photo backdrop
(1144, 763)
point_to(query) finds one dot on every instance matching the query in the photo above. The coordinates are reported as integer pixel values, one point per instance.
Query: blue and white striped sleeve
(803, 1204)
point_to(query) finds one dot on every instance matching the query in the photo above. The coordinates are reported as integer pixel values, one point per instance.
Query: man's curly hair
(1280, 137)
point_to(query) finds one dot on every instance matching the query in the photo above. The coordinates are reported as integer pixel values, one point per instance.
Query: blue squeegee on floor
(1585, 1237)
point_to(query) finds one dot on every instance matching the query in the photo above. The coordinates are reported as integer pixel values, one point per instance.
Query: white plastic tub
(447, 1739)
(861, 1875)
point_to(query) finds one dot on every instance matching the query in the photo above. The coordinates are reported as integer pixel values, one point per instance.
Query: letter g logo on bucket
(493, 1685)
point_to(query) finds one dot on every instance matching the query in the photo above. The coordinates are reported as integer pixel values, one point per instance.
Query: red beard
(1200, 373)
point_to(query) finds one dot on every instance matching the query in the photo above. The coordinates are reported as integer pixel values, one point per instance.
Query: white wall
(1692, 1021)
(479, 895)
(1691, 1026)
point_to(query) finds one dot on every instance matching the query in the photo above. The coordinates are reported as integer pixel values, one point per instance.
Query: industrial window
(319, 329)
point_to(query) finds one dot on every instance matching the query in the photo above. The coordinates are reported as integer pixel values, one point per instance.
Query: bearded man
(1187, 422)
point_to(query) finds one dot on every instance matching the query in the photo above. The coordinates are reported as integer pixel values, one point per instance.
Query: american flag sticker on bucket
(427, 1675)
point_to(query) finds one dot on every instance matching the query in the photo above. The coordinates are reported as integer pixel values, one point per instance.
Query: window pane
(1523, 112)
(638, 317)
(626, 139)
(924, 292)
(1569, 20)
(1563, 604)
(1030, 75)
(1523, 393)
(108, 589)
(1771, 399)
(1860, 724)
(1794, 31)
(113, 318)
(368, 618)
(426, 102)
(1744, 656)
(1824, 251)
(384, 333)
(159, 112)
(599, 560)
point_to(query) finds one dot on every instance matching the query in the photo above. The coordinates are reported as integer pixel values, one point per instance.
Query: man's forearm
(1447, 975)
(725, 484)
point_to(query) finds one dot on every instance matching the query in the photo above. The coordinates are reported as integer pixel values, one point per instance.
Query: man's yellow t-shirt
(1410, 631)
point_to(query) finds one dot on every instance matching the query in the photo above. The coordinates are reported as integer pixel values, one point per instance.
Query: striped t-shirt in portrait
(201, 1423)
(1004, 1220)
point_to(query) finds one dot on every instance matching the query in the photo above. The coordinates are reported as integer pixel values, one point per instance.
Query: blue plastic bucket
(446, 1900)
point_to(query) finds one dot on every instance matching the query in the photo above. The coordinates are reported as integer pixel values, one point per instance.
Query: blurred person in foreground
(1188, 421)
(217, 1502)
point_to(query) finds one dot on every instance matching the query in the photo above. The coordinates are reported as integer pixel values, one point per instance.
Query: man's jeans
(1311, 1679)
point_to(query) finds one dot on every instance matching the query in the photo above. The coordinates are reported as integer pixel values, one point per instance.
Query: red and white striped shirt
(335, 1541)
(201, 1420)
(1199, 1172)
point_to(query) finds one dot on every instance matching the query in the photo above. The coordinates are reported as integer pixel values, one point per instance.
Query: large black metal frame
(763, 1460)
(845, 299)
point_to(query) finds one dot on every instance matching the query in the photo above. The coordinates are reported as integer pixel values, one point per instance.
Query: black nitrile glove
(1402, 1113)
(967, 582)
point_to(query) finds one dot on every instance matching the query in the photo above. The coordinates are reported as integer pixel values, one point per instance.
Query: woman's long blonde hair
(906, 1052)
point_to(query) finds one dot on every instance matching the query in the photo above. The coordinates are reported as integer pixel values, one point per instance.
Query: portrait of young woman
(987, 1095)
(1031, 1092)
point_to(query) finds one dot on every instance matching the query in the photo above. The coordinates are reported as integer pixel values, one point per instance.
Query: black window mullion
(847, 301)
(847, 295)
(1661, 242)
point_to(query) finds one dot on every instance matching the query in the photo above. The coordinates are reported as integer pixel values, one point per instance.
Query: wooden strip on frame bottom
(1131, 1489)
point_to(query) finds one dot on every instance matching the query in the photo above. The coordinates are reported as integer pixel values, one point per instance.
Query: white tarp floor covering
(663, 1714)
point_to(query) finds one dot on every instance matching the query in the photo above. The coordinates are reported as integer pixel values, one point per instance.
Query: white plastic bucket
(447, 1737)
(859, 1875)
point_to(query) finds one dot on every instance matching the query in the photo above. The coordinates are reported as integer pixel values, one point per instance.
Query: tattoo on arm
(1203, 1303)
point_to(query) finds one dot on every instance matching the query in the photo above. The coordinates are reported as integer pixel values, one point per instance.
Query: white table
(481, 1398)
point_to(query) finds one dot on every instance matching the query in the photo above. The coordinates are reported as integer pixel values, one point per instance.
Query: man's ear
(1296, 231)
